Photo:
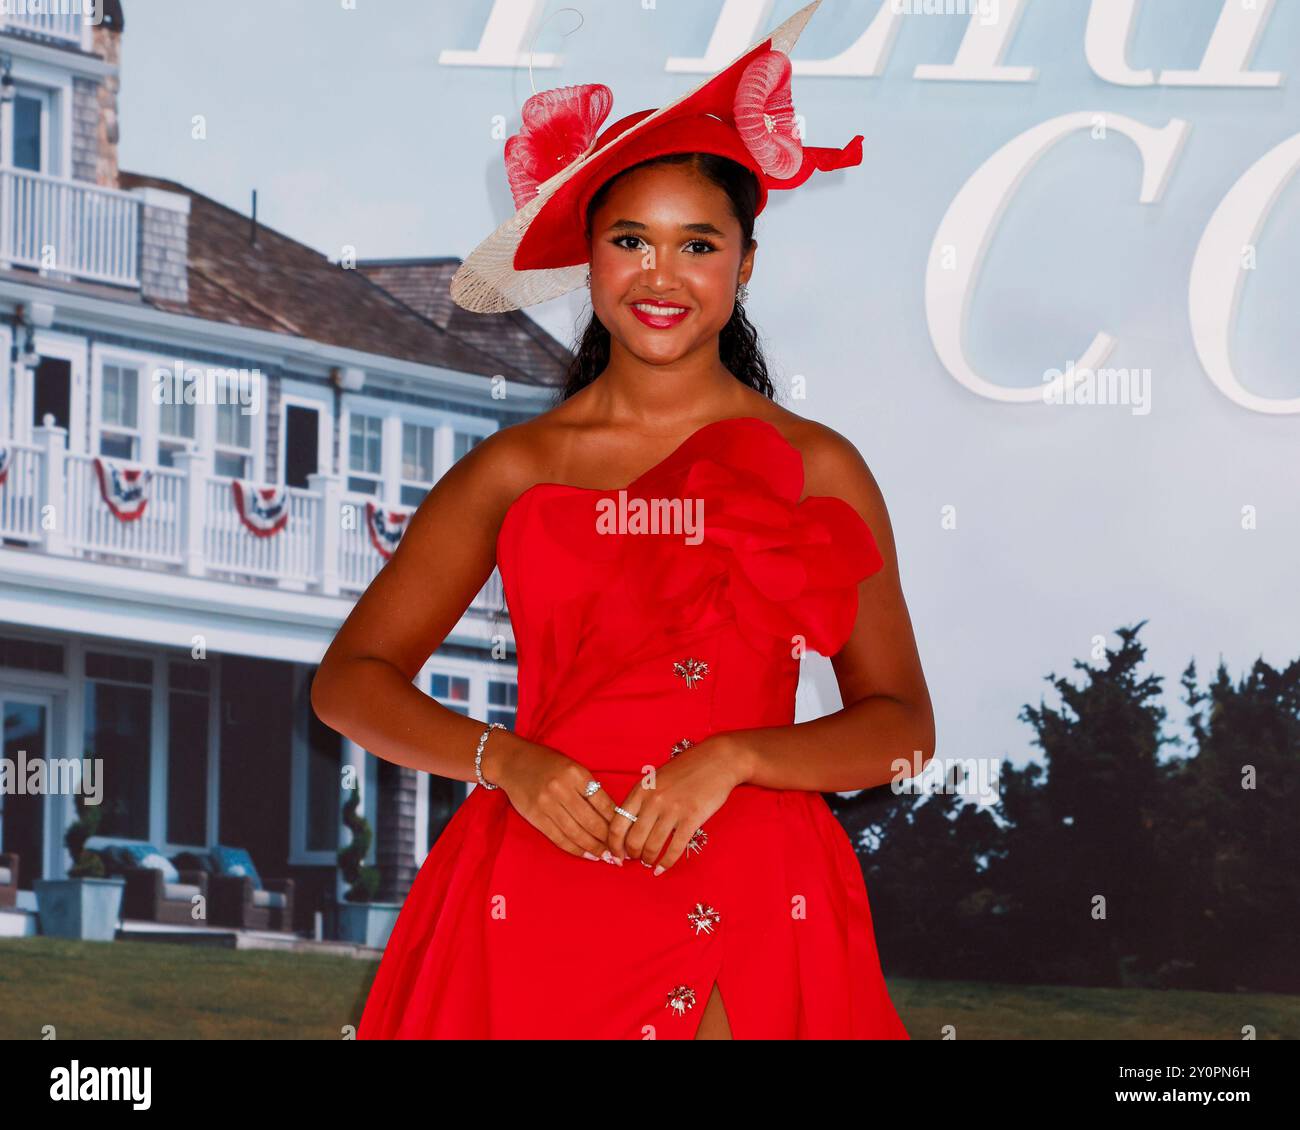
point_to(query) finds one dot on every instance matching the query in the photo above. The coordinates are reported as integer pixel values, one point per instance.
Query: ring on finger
(624, 812)
(593, 787)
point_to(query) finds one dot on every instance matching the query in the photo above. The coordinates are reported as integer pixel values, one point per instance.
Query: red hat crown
(560, 126)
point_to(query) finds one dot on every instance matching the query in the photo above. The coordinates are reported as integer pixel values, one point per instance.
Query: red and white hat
(746, 113)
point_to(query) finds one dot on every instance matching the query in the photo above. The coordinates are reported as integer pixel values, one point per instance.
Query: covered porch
(198, 724)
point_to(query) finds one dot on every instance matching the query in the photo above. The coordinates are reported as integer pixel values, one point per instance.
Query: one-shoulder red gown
(630, 644)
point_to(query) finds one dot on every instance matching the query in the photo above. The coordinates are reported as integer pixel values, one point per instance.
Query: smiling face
(667, 254)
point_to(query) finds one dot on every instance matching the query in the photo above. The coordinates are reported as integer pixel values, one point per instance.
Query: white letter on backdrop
(1236, 35)
(506, 40)
(1106, 40)
(1232, 46)
(973, 216)
(979, 59)
(741, 22)
(1214, 296)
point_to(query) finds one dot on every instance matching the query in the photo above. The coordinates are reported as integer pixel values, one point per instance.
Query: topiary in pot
(86, 864)
(363, 879)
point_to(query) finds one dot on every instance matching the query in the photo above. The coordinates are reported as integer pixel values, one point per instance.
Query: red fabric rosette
(782, 567)
(765, 117)
(559, 127)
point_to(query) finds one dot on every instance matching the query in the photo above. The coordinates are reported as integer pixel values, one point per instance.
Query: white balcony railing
(69, 226)
(64, 20)
(21, 492)
(288, 555)
(155, 536)
(190, 524)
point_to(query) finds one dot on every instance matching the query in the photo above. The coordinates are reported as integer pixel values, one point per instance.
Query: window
(452, 691)
(366, 454)
(503, 699)
(444, 797)
(445, 794)
(29, 140)
(31, 655)
(187, 752)
(175, 430)
(234, 449)
(417, 463)
(119, 700)
(119, 436)
(324, 793)
(465, 443)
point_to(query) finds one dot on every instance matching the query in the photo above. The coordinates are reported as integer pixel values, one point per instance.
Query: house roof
(424, 285)
(283, 286)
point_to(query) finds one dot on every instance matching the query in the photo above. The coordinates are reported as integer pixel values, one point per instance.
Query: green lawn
(151, 990)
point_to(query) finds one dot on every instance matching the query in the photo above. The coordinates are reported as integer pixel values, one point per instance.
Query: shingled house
(211, 436)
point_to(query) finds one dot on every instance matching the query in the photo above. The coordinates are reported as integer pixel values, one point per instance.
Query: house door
(27, 719)
(302, 444)
(52, 393)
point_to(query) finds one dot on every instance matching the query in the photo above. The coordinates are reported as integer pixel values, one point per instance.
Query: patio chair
(240, 897)
(9, 879)
(155, 890)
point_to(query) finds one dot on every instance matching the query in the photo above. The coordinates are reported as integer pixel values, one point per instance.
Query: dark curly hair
(738, 344)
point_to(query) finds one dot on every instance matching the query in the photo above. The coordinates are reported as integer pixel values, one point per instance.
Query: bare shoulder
(508, 461)
(832, 463)
(834, 467)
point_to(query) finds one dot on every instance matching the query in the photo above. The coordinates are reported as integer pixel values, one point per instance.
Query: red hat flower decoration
(765, 117)
(559, 127)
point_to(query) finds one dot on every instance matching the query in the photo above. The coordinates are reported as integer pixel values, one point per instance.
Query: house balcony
(67, 29)
(190, 525)
(70, 228)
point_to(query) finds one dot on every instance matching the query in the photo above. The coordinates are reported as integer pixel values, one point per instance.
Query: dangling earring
(588, 277)
(743, 293)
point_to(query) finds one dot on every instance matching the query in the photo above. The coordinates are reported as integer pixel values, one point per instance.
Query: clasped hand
(670, 802)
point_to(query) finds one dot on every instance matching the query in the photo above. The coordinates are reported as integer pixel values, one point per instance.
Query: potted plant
(358, 918)
(87, 904)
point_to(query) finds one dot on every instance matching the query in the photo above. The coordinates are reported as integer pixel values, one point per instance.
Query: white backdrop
(1068, 185)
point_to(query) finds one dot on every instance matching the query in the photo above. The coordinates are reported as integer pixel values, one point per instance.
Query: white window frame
(211, 816)
(249, 454)
(346, 471)
(145, 409)
(54, 84)
(446, 424)
(205, 415)
(159, 737)
(8, 384)
(51, 150)
(101, 425)
(420, 484)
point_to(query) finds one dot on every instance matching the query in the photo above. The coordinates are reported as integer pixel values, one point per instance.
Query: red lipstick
(660, 315)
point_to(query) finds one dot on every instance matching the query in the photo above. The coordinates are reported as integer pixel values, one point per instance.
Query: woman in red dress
(647, 854)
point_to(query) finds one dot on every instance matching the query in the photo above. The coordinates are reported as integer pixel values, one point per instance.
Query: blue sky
(1070, 520)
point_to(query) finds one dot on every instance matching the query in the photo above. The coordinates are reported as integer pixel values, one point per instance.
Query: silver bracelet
(478, 756)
